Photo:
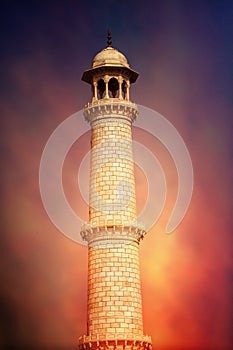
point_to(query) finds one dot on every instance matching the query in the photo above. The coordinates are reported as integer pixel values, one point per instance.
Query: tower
(114, 312)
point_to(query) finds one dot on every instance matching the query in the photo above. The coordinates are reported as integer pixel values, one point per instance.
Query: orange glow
(185, 275)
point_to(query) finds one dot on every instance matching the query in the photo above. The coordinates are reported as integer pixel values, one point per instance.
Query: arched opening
(100, 89)
(113, 88)
(124, 89)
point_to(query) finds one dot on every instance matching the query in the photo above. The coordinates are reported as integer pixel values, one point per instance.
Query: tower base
(116, 342)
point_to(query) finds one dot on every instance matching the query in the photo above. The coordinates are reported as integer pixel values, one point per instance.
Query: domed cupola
(110, 75)
(109, 57)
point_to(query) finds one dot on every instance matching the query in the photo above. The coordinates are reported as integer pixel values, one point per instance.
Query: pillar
(106, 80)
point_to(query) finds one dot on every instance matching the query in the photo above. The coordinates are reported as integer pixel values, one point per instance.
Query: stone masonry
(114, 313)
(112, 187)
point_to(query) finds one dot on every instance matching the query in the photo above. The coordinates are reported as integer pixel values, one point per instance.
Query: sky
(183, 52)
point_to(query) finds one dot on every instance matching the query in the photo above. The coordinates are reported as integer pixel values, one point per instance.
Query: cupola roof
(109, 57)
(109, 61)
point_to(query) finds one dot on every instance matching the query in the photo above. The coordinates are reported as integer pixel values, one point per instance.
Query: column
(106, 80)
(120, 80)
(127, 90)
(95, 90)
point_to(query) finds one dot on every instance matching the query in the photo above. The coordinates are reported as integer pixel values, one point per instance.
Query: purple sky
(183, 52)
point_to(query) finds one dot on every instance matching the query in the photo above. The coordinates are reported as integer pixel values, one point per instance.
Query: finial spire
(109, 38)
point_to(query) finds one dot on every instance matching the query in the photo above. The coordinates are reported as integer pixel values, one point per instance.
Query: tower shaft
(112, 185)
(114, 295)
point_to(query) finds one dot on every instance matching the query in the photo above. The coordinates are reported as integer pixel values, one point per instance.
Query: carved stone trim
(109, 108)
(115, 342)
(89, 74)
(108, 236)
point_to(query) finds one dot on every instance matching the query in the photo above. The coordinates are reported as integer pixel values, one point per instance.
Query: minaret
(114, 312)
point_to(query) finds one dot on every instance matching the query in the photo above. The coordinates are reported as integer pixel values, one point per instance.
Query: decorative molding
(106, 236)
(115, 342)
(108, 109)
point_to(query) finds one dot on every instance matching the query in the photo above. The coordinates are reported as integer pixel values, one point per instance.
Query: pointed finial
(109, 39)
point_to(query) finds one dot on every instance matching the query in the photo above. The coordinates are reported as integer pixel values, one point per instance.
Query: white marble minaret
(114, 312)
